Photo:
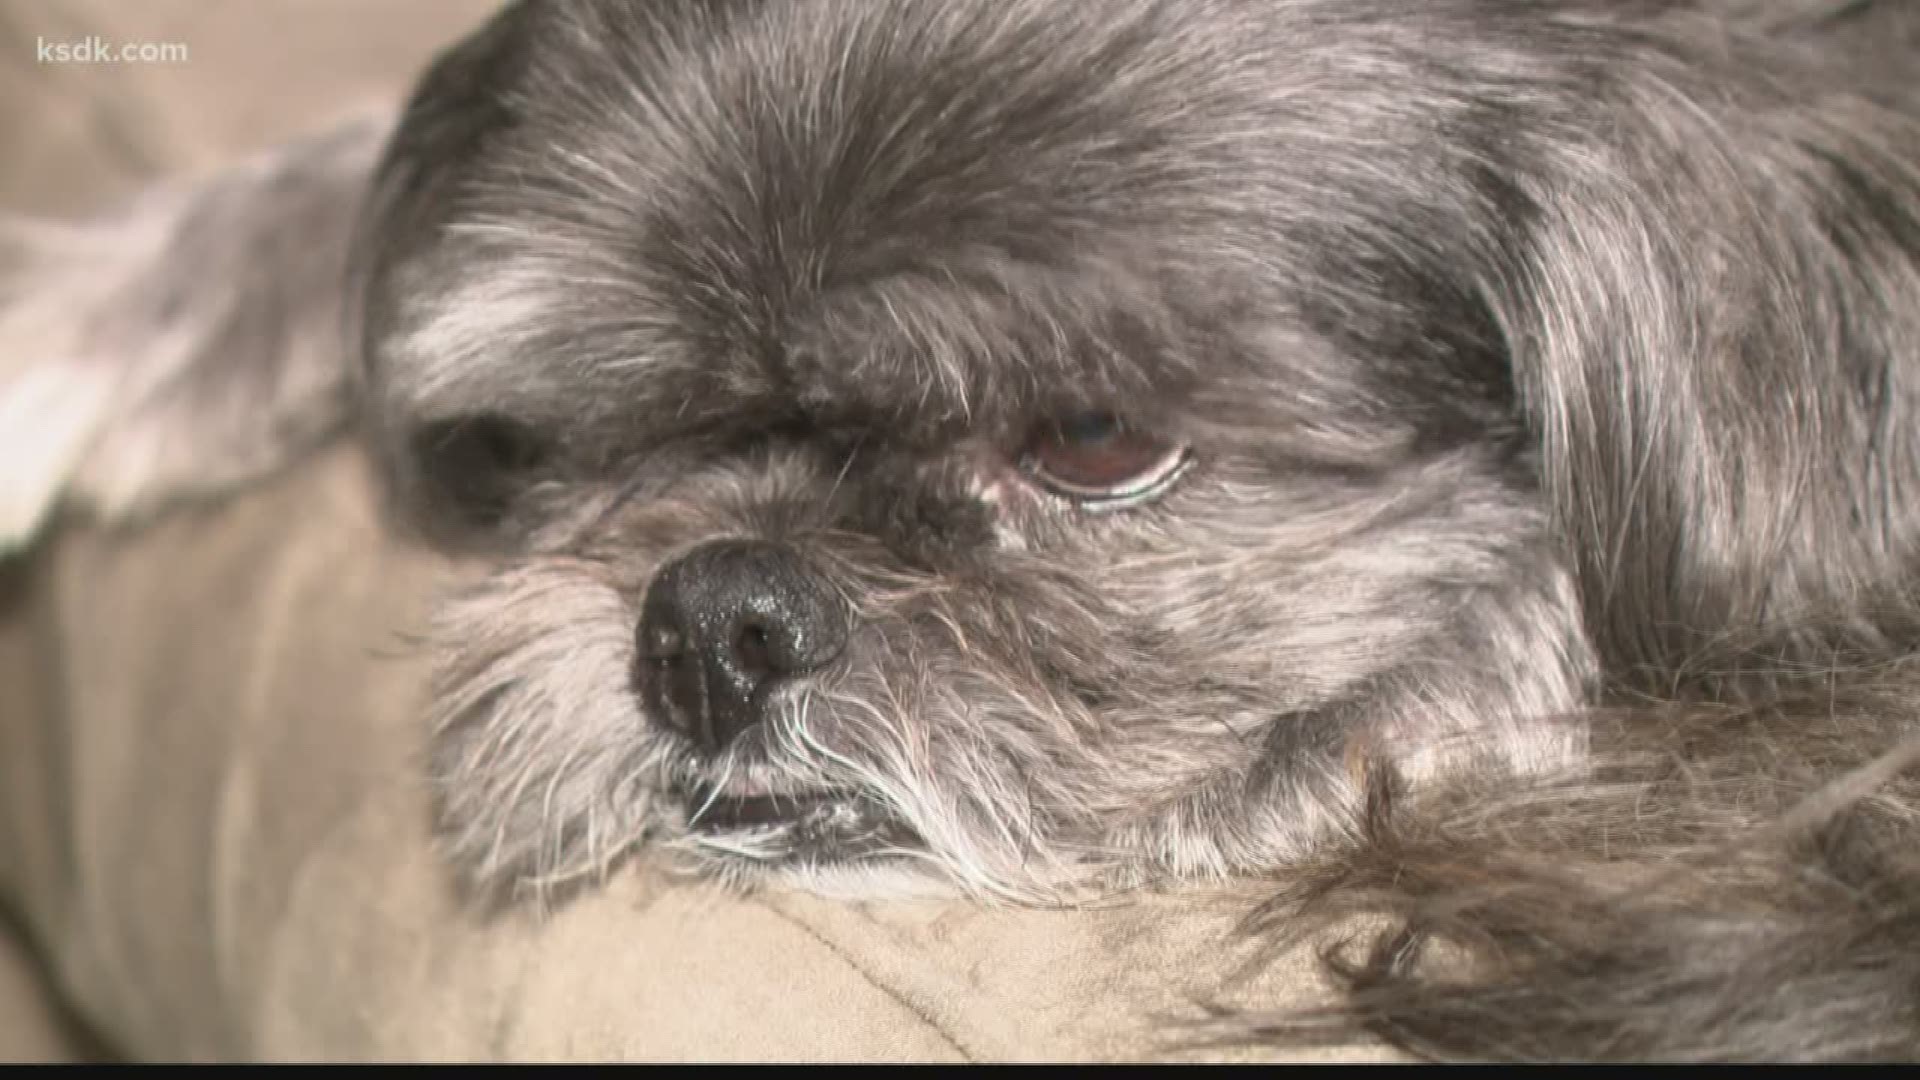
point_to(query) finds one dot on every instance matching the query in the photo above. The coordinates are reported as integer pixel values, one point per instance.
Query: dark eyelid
(1149, 464)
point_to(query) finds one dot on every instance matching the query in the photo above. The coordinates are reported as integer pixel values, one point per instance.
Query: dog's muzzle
(721, 627)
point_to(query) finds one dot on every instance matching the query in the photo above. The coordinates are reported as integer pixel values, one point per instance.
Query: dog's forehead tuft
(852, 211)
(931, 215)
(708, 206)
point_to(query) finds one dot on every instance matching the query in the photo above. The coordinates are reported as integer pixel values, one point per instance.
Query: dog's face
(1017, 440)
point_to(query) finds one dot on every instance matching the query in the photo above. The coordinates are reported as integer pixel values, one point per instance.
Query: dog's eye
(1100, 462)
(479, 463)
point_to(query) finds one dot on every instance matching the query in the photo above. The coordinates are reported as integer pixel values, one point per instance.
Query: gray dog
(1455, 461)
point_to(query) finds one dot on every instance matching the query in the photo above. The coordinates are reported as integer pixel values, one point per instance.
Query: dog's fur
(1540, 578)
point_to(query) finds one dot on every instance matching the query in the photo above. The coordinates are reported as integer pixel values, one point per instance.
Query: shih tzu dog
(1457, 463)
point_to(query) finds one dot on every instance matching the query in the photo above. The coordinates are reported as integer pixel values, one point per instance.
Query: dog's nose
(720, 625)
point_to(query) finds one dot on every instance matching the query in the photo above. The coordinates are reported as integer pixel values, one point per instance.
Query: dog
(1451, 464)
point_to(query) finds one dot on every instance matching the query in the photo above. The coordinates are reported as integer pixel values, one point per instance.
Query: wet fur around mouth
(1536, 580)
(795, 830)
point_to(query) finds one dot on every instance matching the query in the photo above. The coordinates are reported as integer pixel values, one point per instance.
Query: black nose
(720, 625)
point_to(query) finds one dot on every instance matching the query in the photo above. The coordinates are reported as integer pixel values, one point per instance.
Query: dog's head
(1032, 439)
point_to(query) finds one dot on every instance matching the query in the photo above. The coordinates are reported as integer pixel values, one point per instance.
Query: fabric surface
(31, 1028)
(211, 821)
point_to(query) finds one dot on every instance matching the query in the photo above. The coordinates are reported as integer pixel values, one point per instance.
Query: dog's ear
(183, 344)
(1713, 321)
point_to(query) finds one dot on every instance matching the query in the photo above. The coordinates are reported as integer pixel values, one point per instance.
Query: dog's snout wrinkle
(723, 623)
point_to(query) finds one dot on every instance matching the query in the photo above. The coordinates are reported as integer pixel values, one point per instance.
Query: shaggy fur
(1526, 566)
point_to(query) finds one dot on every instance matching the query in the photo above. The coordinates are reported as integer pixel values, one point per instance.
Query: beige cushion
(31, 1028)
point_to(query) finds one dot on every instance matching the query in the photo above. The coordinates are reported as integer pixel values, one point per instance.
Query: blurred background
(224, 77)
